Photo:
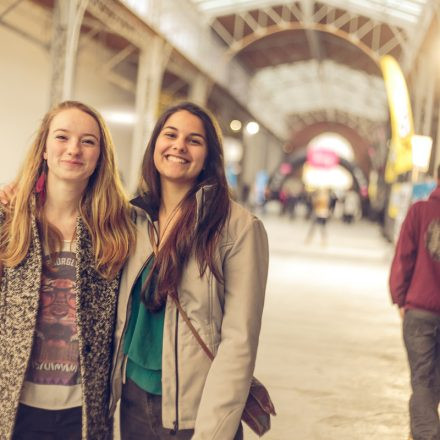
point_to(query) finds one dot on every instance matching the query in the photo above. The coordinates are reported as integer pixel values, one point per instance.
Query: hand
(402, 312)
(7, 193)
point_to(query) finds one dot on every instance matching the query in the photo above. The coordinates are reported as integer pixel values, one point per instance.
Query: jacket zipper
(123, 332)
(125, 325)
(176, 422)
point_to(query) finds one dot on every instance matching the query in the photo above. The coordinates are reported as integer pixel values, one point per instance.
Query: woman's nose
(179, 144)
(74, 146)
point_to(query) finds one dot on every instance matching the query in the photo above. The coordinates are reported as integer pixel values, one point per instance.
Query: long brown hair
(190, 234)
(104, 207)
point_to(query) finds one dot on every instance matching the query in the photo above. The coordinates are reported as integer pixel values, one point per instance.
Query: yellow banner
(402, 126)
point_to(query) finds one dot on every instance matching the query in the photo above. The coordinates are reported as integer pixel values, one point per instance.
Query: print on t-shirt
(55, 353)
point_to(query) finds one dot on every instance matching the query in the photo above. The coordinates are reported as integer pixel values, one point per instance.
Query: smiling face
(181, 149)
(72, 147)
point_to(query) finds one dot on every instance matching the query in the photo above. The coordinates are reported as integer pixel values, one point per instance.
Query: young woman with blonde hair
(196, 246)
(63, 240)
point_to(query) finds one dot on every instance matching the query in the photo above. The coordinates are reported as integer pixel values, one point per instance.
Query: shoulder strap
(193, 330)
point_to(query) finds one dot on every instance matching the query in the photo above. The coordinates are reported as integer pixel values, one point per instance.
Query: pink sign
(285, 168)
(321, 158)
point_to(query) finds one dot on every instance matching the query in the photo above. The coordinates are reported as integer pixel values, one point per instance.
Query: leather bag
(259, 406)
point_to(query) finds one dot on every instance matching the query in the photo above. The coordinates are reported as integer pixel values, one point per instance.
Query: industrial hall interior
(330, 119)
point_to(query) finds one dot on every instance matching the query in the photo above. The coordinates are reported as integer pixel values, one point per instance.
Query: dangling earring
(40, 187)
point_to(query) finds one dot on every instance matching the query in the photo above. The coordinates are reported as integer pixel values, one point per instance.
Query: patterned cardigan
(96, 304)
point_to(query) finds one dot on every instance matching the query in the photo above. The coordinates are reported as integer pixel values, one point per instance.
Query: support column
(152, 62)
(199, 90)
(419, 89)
(67, 19)
(429, 103)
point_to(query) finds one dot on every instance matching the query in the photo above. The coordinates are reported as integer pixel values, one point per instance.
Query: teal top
(143, 341)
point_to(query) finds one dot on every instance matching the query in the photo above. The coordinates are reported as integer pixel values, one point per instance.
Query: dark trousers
(421, 333)
(42, 424)
(141, 417)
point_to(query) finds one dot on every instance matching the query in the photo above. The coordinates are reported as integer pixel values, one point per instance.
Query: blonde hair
(104, 207)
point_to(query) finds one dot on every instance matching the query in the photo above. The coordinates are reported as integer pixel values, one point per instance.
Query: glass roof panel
(225, 7)
(403, 12)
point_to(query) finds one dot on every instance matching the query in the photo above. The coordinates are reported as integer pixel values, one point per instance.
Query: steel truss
(375, 30)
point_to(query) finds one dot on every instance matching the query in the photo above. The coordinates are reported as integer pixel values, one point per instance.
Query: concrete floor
(331, 351)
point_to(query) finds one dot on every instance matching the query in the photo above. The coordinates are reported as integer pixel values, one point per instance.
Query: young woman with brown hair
(64, 238)
(197, 246)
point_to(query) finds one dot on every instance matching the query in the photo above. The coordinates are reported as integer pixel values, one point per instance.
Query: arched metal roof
(405, 13)
(319, 56)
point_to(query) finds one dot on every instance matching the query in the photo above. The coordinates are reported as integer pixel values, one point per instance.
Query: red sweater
(415, 271)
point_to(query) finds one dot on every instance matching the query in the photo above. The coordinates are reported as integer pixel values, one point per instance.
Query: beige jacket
(196, 393)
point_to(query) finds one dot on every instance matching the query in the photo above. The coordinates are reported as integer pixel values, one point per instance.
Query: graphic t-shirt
(53, 376)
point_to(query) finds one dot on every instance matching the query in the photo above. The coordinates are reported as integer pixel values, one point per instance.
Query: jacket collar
(435, 194)
(145, 202)
(204, 199)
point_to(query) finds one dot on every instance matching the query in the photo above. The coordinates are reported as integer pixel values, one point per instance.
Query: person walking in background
(415, 288)
(198, 247)
(351, 207)
(320, 213)
(64, 237)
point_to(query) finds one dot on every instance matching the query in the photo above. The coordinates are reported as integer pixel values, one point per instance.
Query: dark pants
(141, 417)
(421, 333)
(42, 424)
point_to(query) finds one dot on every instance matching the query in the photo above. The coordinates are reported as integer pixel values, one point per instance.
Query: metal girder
(311, 15)
(25, 35)
(9, 8)
(95, 28)
(403, 13)
(362, 126)
(118, 58)
(121, 21)
(407, 19)
(27, 20)
(376, 27)
(119, 80)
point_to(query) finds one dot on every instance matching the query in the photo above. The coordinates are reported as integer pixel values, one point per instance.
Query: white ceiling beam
(312, 36)
(399, 35)
(273, 15)
(295, 11)
(250, 21)
(369, 10)
(342, 20)
(320, 13)
(364, 30)
(9, 8)
(223, 33)
(388, 46)
(417, 40)
(238, 28)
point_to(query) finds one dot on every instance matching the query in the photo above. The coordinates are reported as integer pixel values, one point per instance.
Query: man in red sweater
(415, 288)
